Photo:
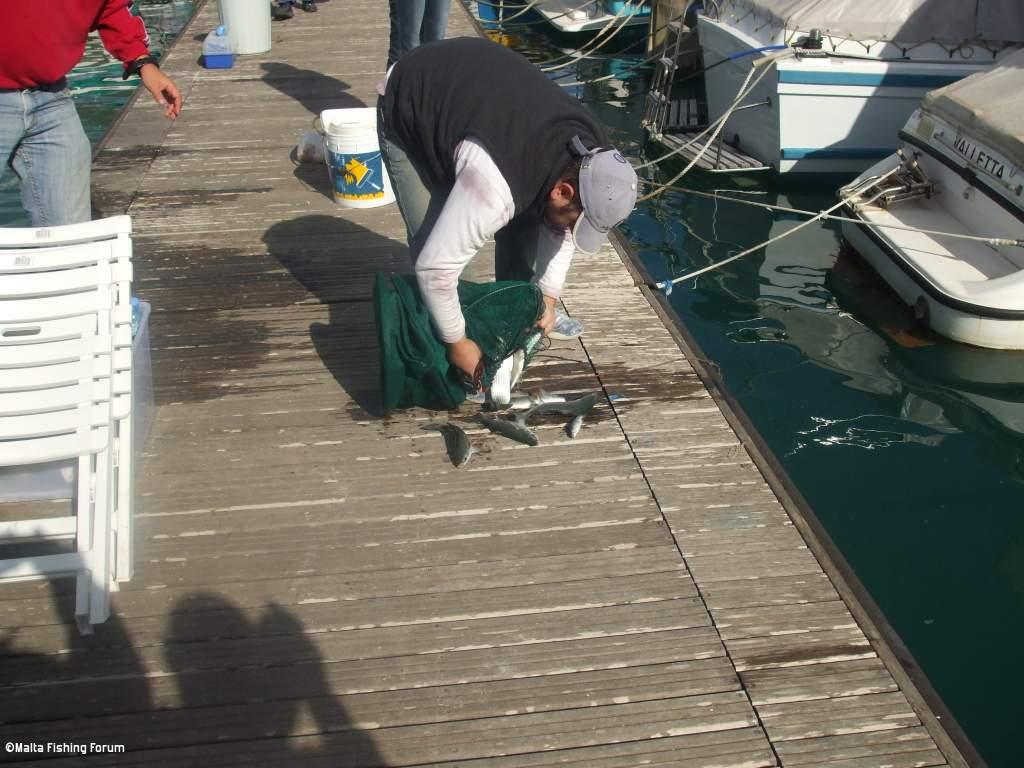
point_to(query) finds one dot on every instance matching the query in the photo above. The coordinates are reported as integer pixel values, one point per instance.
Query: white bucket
(354, 161)
(247, 23)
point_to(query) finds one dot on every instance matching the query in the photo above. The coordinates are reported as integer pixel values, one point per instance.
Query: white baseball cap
(608, 189)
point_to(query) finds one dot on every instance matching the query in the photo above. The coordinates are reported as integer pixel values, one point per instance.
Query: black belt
(54, 87)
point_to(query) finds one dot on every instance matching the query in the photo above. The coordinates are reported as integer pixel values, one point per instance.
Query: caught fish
(574, 426)
(523, 356)
(581, 406)
(543, 396)
(456, 442)
(532, 342)
(522, 402)
(514, 430)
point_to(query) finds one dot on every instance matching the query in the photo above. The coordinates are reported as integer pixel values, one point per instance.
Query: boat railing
(909, 182)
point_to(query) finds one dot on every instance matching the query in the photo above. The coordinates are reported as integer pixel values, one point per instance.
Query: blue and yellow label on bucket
(358, 176)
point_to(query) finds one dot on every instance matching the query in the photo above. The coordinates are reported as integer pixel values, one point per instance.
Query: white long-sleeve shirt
(480, 203)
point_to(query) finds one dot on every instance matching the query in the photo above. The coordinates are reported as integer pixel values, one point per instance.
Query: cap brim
(586, 237)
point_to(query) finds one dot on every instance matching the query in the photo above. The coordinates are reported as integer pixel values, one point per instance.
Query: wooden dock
(318, 586)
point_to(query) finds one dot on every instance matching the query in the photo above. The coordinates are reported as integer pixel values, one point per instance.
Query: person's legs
(53, 161)
(434, 20)
(515, 253)
(515, 258)
(13, 109)
(393, 34)
(406, 21)
(281, 9)
(419, 204)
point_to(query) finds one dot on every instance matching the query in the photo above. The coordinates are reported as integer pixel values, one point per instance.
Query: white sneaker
(565, 327)
(501, 384)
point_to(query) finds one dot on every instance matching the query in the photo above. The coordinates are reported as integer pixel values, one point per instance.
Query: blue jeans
(419, 201)
(43, 142)
(414, 22)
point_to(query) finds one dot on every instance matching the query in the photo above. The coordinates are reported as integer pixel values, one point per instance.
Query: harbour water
(910, 450)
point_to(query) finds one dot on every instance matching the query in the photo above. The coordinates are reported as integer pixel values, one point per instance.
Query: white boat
(858, 69)
(962, 173)
(583, 16)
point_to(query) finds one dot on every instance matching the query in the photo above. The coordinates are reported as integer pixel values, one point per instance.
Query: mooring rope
(621, 14)
(665, 286)
(525, 9)
(995, 241)
(764, 65)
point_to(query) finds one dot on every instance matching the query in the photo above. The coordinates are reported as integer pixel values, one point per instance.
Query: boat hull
(566, 16)
(949, 321)
(962, 289)
(824, 115)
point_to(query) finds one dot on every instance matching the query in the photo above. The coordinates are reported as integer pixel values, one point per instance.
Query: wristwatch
(136, 66)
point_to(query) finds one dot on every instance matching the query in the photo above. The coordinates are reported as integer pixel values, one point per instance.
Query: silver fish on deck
(523, 402)
(511, 429)
(520, 403)
(543, 396)
(456, 442)
(574, 426)
(581, 406)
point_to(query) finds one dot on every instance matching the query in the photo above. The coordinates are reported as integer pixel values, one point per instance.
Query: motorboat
(942, 221)
(845, 74)
(594, 15)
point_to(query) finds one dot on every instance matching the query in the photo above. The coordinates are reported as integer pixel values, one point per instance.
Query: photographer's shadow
(262, 679)
(336, 261)
(53, 676)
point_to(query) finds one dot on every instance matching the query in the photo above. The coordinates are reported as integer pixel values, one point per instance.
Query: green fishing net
(414, 368)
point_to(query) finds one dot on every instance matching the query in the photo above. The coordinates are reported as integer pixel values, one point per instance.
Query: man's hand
(165, 92)
(465, 355)
(547, 320)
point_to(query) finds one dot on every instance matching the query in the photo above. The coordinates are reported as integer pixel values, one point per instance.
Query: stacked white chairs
(65, 395)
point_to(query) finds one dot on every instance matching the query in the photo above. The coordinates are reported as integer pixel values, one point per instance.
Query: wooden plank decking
(318, 586)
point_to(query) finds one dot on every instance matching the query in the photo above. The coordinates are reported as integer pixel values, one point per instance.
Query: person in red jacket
(41, 137)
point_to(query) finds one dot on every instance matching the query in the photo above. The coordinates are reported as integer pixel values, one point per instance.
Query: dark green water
(909, 449)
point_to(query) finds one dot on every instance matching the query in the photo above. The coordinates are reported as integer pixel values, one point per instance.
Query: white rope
(525, 9)
(666, 285)
(626, 6)
(765, 65)
(830, 217)
(648, 60)
(615, 76)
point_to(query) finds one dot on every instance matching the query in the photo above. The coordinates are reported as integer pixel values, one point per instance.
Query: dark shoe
(281, 12)
(309, 6)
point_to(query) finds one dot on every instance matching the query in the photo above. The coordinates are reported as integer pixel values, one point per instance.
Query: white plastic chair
(65, 393)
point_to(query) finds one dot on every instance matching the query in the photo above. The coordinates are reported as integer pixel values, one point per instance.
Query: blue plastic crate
(219, 61)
